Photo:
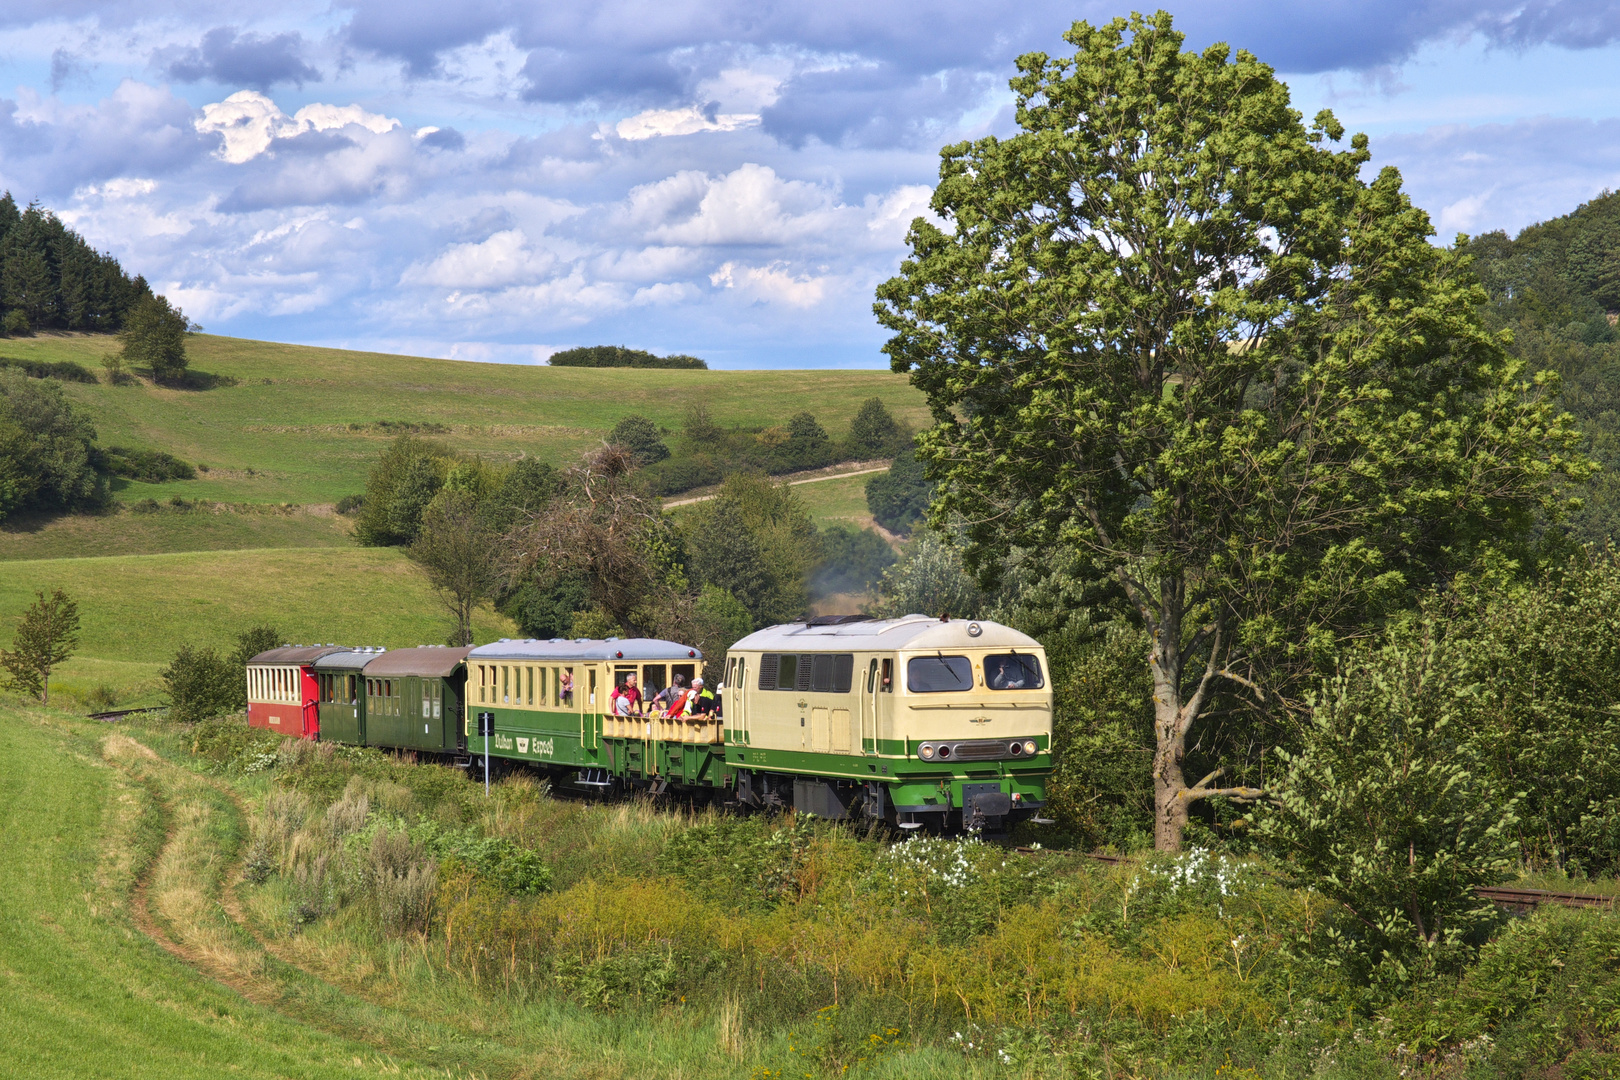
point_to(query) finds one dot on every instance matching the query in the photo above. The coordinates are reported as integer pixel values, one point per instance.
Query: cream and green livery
(915, 720)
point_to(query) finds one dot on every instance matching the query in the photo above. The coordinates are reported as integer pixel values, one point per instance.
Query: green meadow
(296, 424)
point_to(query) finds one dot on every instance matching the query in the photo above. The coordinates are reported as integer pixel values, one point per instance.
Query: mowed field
(295, 424)
(136, 610)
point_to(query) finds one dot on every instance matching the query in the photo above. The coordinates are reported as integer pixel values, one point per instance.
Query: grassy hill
(295, 424)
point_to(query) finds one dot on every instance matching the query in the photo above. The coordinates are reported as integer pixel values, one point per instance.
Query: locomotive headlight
(926, 751)
(1029, 746)
(1015, 748)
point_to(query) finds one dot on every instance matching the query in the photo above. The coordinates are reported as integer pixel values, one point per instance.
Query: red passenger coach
(282, 692)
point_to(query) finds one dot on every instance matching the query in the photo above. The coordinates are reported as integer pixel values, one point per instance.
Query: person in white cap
(700, 702)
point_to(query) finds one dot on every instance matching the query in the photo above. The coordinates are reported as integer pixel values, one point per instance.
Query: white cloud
(504, 259)
(776, 284)
(249, 122)
(688, 121)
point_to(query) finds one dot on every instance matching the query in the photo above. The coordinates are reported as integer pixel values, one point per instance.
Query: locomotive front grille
(978, 750)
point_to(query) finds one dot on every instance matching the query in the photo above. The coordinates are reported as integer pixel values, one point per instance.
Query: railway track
(117, 714)
(1519, 901)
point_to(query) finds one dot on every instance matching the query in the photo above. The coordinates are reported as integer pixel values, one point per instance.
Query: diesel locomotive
(916, 721)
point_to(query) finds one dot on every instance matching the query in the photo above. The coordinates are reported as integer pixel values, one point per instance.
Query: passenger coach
(282, 693)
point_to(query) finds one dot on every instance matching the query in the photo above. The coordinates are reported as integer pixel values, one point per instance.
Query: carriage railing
(698, 730)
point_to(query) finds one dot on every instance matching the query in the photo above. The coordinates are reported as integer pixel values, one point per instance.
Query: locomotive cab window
(1013, 671)
(938, 674)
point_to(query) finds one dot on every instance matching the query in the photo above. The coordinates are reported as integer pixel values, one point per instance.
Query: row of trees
(51, 279)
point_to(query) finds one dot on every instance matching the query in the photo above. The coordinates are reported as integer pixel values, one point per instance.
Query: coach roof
(429, 661)
(297, 654)
(585, 649)
(347, 659)
(880, 635)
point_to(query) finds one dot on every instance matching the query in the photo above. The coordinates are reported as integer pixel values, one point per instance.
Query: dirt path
(862, 468)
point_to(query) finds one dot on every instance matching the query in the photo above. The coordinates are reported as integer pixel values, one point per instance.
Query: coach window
(438, 700)
(506, 684)
(590, 683)
(654, 677)
(938, 674)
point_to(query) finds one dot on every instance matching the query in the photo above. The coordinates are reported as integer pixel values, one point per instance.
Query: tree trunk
(1169, 784)
(1171, 720)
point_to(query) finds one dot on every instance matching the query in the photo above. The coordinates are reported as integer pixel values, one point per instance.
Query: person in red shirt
(626, 699)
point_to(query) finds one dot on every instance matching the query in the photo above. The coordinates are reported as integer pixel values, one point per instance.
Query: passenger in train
(701, 702)
(665, 697)
(565, 686)
(626, 699)
(720, 701)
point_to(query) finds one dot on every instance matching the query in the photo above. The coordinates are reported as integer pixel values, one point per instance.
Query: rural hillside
(279, 434)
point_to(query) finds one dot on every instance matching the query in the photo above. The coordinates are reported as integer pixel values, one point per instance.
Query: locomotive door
(736, 705)
(869, 709)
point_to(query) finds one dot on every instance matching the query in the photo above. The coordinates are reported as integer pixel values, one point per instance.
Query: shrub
(640, 436)
(807, 446)
(61, 370)
(899, 498)
(16, 323)
(1384, 810)
(199, 683)
(350, 504)
(150, 466)
(875, 433)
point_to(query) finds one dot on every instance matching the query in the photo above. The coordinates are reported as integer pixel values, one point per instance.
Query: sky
(500, 179)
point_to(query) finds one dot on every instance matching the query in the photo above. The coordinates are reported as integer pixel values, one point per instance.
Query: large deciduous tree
(1168, 326)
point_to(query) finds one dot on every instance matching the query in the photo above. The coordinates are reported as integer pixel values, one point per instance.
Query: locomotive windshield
(938, 674)
(1013, 671)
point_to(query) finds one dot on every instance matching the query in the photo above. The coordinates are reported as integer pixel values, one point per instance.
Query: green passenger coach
(414, 698)
(550, 705)
(340, 687)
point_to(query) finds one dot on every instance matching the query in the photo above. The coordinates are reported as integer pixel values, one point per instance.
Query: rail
(1518, 901)
(117, 714)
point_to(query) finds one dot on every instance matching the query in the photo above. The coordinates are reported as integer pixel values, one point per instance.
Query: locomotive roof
(429, 661)
(906, 632)
(297, 654)
(585, 649)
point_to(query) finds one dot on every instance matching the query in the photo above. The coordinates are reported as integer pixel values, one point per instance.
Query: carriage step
(658, 787)
(594, 778)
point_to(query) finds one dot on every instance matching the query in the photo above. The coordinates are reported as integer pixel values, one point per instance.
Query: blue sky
(497, 179)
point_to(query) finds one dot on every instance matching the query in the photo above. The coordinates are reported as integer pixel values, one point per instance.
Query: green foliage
(50, 278)
(1167, 325)
(547, 610)
(460, 556)
(1543, 662)
(747, 863)
(1540, 1002)
(852, 560)
(399, 487)
(249, 643)
(721, 620)
(47, 449)
(1385, 809)
(47, 635)
(200, 684)
(154, 337)
(63, 370)
(874, 432)
(600, 356)
(514, 870)
(757, 542)
(149, 466)
(640, 436)
(929, 579)
(807, 446)
(899, 498)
